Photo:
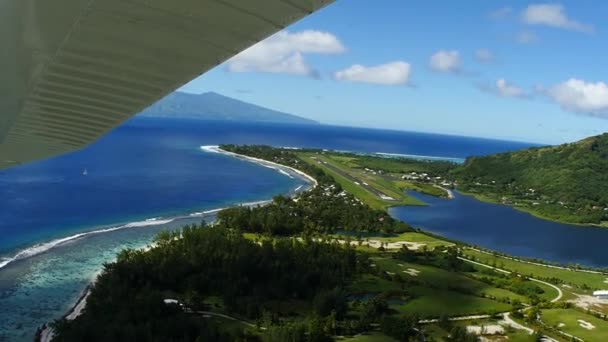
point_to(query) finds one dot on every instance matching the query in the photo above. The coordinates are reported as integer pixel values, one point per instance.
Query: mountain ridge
(567, 182)
(215, 106)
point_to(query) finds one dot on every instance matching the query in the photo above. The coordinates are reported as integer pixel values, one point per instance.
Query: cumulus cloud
(504, 89)
(484, 55)
(284, 52)
(552, 15)
(581, 97)
(393, 73)
(445, 61)
(526, 37)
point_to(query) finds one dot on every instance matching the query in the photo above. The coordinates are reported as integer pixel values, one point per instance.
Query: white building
(602, 294)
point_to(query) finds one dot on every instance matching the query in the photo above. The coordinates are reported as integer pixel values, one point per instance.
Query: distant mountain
(214, 106)
(568, 182)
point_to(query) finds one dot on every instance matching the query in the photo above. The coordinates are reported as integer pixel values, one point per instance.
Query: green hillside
(567, 182)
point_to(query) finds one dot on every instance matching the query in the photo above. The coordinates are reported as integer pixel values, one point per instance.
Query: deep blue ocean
(59, 224)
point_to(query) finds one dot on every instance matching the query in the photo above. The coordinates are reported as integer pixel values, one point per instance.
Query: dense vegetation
(567, 182)
(400, 165)
(251, 279)
(291, 282)
(324, 209)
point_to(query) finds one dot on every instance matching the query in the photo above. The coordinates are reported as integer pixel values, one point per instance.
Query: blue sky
(516, 70)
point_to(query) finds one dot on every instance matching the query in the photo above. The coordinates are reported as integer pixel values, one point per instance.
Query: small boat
(85, 172)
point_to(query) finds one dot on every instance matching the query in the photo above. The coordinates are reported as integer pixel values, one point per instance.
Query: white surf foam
(416, 156)
(46, 246)
(285, 173)
(266, 163)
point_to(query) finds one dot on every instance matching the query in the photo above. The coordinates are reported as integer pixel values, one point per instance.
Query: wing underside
(74, 69)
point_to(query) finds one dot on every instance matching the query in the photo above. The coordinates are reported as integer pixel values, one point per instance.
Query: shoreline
(487, 199)
(448, 191)
(273, 165)
(45, 333)
(80, 305)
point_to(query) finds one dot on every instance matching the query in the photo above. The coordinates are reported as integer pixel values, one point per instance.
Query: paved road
(357, 181)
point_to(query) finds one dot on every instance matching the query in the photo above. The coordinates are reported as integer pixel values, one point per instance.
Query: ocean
(64, 217)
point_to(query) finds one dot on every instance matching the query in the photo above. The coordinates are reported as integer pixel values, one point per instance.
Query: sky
(516, 70)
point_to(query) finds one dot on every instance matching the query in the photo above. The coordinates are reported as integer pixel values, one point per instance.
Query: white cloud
(526, 37)
(445, 61)
(393, 73)
(504, 89)
(284, 52)
(501, 13)
(552, 15)
(484, 55)
(581, 97)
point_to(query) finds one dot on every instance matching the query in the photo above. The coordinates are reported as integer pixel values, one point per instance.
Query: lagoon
(504, 229)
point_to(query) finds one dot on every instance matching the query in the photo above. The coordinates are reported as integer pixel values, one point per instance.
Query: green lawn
(548, 294)
(368, 283)
(596, 281)
(446, 280)
(429, 241)
(429, 302)
(570, 317)
(420, 187)
(432, 303)
(361, 193)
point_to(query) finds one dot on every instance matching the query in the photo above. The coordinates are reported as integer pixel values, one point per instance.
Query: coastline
(487, 199)
(266, 163)
(45, 332)
(81, 303)
(448, 191)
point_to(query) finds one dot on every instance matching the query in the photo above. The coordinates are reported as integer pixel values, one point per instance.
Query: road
(357, 181)
(211, 313)
(559, 291)
(539, 264)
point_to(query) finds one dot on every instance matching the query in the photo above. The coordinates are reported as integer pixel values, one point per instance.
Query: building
(602, 294)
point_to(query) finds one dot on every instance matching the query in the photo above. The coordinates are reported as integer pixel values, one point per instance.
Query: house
(602, 294)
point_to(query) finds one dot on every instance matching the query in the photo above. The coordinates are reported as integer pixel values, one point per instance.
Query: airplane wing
(71, 70)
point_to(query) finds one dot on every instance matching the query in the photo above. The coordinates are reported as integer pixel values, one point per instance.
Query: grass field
(371, 284)
(596, 281)
(442, 293)
(423, 188)
(364, 195)
(549, 292)
(570, 317)
(442, 279)
(429, 241)
(432, 303)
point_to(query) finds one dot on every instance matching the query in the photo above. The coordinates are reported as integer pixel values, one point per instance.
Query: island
(330, 264)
